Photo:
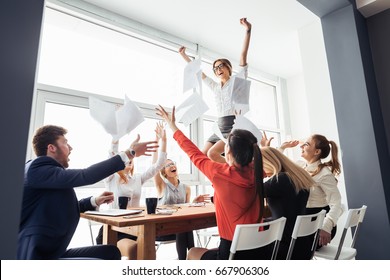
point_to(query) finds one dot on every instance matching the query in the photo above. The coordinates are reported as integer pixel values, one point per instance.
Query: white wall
(310, 96)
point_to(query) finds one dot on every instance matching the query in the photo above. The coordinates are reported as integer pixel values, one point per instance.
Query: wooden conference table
(148, 226)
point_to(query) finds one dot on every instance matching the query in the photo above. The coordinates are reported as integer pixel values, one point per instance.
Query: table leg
(146, 242)
(109, 236)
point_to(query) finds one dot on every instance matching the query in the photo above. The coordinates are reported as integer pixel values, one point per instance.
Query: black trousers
(104, 252)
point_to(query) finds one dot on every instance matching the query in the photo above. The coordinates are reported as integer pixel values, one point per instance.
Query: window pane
(207, 94)
(263, 105)
(91, 143)
(79, 55)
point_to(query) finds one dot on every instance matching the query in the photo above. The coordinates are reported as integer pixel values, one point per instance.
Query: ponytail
(326, 146)
(258, 179)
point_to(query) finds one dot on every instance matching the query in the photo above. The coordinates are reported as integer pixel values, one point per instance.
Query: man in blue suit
(50, 209)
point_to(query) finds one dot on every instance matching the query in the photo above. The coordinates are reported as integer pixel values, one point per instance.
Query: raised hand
(160, 131)
(143, 148)
(245, 23)
(182, 52)
(289, 144)
(264, 140)
(169, 118)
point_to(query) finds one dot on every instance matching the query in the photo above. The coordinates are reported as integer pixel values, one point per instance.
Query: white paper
(190, 109)
(242, 122)
(116, 122)
(192, 77)
(103, 113)
(240, 93)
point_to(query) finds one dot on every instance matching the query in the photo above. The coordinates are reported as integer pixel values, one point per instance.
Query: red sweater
(234, 191)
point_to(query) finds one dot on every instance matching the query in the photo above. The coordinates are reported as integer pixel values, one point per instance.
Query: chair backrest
(252, 236)
(354, 219)
(306, 225)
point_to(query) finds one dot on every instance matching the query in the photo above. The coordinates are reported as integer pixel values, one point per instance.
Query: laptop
(115, 212)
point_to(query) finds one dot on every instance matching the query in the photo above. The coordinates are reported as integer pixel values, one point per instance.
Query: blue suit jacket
(50, 209)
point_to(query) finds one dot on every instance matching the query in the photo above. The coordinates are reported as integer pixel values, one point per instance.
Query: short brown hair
(46, 135)
(226, 62)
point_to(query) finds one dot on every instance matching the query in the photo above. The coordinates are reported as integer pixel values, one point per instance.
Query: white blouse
(133, 187)
(223, 95)
(324, 193)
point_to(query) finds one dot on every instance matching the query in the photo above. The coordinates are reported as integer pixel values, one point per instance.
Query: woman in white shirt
(126, 183)
(325, 194)
(222, 69)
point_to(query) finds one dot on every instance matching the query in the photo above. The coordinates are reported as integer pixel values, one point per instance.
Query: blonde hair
(278, 162)
(123, 175)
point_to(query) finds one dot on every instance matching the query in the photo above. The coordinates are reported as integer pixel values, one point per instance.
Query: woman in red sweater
(238, 185)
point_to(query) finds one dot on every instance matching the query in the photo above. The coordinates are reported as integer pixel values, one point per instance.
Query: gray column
(359, 120)
(20, 28)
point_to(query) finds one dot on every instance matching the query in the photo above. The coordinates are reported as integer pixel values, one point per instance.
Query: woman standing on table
(222, 69)
(238, 185)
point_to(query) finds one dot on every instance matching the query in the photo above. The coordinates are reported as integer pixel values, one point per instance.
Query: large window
(89, 140)
(80, 57)
(77, 54)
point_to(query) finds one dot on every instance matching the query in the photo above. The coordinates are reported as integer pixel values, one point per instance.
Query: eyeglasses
(219, 67)
(170, 164)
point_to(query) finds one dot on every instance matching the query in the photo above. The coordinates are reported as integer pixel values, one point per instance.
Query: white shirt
(133, 187)
(324, 193)
(223, 94)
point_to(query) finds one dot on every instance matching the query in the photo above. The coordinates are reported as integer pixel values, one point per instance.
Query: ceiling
(274, 47)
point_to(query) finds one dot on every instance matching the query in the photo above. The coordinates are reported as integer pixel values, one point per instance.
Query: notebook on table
(115, 212)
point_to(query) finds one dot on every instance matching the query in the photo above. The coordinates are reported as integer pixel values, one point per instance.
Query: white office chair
(159, 243)
(92, 225)
(335, 252)
(248, 236)
(306, 225)
(207, 234)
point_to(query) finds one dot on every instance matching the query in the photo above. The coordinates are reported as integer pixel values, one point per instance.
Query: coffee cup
(123, 201)
(151, 204)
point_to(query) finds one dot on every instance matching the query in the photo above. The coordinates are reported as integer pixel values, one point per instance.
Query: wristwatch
(130, 153)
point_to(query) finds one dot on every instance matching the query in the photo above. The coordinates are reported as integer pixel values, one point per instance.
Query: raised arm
(158, 162)
(182, 52)
(160, 135)
(247, 38)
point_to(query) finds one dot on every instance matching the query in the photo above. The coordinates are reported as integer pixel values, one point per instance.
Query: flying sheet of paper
(192, 77)
(103, 113)
(190, 109)
(240, 92)
(116, 122)
(242, 122)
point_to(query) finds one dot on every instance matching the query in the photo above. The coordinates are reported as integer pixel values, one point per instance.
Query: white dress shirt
(324, 193)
